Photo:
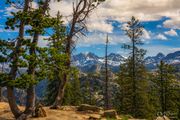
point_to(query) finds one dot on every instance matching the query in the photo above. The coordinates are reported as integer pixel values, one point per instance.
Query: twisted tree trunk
(19, 115)
(59, 98)
(30, 99)
(10, 90)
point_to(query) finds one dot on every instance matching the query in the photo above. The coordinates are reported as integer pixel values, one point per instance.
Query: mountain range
(90, 62)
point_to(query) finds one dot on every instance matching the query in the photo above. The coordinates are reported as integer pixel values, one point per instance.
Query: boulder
(86, 107)
(39, 111)
(110, 114)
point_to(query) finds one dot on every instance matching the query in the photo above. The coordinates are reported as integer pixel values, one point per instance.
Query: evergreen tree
(55, 60)
(153, 94)
(132, 77)
(25, 53)
(168, 89)
(76, 88)
(92, 86)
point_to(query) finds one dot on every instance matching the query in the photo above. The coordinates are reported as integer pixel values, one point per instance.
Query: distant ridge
(89, 62)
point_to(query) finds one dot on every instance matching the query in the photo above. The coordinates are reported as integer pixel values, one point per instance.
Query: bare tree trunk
(107, 106)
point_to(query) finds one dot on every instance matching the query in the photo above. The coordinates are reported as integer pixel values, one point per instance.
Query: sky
(160, 18)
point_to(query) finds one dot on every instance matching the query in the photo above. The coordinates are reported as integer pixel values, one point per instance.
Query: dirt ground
(5, 114)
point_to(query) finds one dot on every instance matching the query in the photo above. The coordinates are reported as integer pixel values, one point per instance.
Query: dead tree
(106, 97)
(81, 11)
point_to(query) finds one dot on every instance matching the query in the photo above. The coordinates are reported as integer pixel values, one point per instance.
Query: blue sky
(160, 18)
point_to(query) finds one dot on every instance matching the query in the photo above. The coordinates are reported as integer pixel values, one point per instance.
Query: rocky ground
(67, 113)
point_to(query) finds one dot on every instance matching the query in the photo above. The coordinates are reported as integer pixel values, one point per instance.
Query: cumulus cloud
(122, 10)
(100, 38)
(100, 26)
(171, 33)
(172, 23)
(161, 37)
(146, 34)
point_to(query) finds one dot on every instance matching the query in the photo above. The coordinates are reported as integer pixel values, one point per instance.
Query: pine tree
(132, 76)
(92, 86)
(55, 60)
(168, 90)
(25, 53)
(76, 88)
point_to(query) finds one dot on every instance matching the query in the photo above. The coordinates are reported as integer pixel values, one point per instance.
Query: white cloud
(171, 33)
(161, 37)
(122, 10)
(146, 34)
(159, 26)
(100, 38)
(172, 23)
(42, 40)
(100, 26)
(10, 9)
(34, 5)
